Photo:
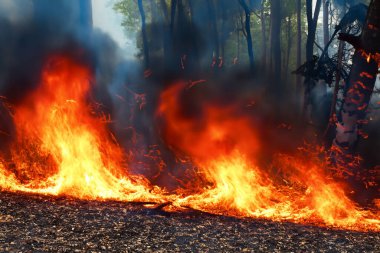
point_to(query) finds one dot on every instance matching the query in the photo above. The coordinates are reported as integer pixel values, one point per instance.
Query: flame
(63, 147)
(224, 147)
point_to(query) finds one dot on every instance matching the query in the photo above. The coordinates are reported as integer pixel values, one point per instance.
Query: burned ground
(45, 224)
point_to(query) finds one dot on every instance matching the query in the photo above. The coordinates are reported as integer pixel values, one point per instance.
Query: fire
(224, 147)
(62, 147)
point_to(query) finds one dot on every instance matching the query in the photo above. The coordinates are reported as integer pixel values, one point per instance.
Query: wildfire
(63, 147)
(224, 147)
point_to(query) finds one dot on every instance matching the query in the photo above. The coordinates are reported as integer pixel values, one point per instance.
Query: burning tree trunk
(360, 83)
(247, 12)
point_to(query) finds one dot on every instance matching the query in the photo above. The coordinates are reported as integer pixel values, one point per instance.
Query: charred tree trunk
(247, 28)
(360, 84)
(144, 34)
(311, 28)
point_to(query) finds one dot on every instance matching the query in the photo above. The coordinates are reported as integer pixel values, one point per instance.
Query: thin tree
(276, 39)
(263, 35)
(247, 28)
(326, 36)
(144, 34)
(214, 28)
(299, 47)
(312, 20)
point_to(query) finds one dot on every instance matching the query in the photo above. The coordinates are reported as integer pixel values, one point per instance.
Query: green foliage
(129, 10)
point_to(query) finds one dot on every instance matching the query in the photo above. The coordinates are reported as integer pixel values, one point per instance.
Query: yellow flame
(63, 149)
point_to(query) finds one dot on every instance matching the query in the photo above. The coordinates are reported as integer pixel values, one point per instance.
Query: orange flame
(59, 136)
(63, 148)
(224, 147)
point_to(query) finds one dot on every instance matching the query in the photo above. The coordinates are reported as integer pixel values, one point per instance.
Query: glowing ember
(64, 148)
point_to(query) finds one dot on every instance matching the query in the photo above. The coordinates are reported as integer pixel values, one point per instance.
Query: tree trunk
(360, 84)
(326, 36)
(165, 23)
(264, 37)
(276, 41)
(165, 12)
(155, 17)
(214, 28)
(224, 33)
(173, 8)
(144, 34)
(299, 51)
(332, 115)
(195, 44)
(289, 46)
(247, 28)
(311, 28)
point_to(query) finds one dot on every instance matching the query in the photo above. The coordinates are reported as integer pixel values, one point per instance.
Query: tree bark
(311, 28)
(360, 84)
(144, 34)
(247, 28)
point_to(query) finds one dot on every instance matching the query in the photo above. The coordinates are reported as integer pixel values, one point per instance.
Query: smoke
(33, 30)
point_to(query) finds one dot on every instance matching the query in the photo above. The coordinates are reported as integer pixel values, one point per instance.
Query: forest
(303, 59)
(245, 108)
